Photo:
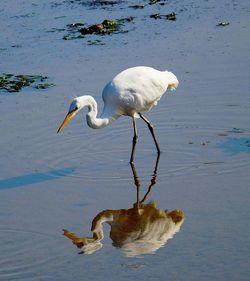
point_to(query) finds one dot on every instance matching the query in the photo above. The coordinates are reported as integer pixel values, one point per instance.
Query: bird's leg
(135, 138)
(151, 129)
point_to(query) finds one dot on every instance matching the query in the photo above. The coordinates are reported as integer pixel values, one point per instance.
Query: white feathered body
(136, 90)
(132, 91)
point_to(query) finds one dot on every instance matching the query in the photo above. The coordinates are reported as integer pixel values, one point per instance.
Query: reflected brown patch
(142, 229)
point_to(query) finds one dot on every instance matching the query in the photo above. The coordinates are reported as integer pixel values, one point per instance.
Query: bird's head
(74, 108)
(173, 81)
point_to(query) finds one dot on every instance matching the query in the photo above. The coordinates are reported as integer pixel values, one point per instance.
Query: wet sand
(49, 182)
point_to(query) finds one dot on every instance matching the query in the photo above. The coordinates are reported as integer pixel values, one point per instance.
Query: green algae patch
(15, 83)
(107, 27)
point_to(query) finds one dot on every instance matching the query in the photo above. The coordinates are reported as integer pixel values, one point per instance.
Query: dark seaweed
(107, 27)
(14, 83)
(171, 16)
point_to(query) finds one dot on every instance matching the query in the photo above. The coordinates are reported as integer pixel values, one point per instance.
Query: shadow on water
(236, 145)
(142, 229)
(34, 178)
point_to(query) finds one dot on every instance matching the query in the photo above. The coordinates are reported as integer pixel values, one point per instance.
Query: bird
(130, 93)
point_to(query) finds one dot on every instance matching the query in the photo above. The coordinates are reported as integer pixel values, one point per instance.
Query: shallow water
(49, 182)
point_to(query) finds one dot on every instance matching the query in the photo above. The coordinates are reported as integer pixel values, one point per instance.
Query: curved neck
(92, 120)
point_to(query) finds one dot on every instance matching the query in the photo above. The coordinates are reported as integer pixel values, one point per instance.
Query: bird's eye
(73, 109)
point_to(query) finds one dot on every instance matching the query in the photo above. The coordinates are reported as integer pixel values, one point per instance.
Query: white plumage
(137, 89)
(131, 92)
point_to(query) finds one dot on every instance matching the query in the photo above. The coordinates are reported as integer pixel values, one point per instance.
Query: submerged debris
(156, 16)
(103, 2)
(107, 27)
(152, 2)
(43, 86)
(14, 83)
(236, 131)
(96, 3)
(171, 16)
(96, 42)
(123, 20)
(223, 23)
(136, 6)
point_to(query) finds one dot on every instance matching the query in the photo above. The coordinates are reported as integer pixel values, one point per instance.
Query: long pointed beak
(66, 120)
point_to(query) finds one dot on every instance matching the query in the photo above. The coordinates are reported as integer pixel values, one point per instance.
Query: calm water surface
(50, 182)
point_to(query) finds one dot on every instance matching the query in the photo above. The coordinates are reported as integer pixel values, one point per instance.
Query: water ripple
(25, 253)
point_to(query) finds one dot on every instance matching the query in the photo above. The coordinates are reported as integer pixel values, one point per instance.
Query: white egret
(130, 93)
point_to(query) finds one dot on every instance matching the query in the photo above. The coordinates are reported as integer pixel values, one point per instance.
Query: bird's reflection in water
(142, 229)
